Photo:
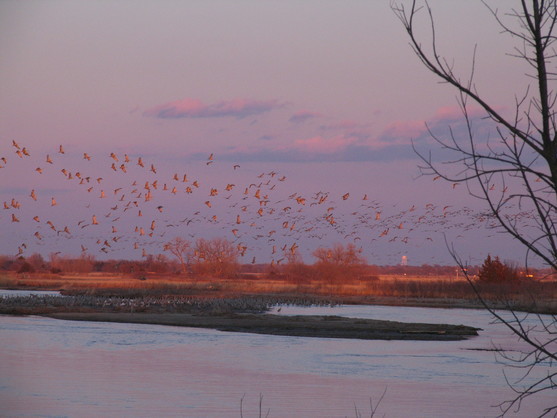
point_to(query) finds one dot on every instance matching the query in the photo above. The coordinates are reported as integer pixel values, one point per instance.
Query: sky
(315, 104)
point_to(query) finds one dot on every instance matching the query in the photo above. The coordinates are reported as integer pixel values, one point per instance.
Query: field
(436, 291)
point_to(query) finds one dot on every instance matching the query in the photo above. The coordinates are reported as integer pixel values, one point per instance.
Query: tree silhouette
(494, 271)
(513, 169)
(217, 257)
(181, 249)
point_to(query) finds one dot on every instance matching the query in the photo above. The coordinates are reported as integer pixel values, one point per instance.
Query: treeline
(58, 264)
(219, 258)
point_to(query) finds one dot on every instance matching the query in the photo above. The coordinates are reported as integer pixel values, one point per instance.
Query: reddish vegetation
(347, 279)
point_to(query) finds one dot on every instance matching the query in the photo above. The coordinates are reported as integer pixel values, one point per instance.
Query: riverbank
(300, 326)
(240, 314)
(392, 290)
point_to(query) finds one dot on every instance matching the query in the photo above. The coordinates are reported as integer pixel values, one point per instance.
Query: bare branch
(514, 169)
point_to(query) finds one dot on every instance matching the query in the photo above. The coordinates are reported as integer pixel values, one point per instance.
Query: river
(57, 368)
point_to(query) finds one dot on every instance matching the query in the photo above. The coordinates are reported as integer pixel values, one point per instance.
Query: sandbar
(320, 326)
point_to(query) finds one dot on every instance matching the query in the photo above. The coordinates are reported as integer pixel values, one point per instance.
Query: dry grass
(535, 296)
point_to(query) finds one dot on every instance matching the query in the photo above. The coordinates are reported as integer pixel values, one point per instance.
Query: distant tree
(294, 269)
(216, 257)
(26, 267)
(37, 261)
(158, 263)
(339, 262)
(181, 249)
(60, 263)
(84, 263)
(494, 271)
(340, 255)
(512, 169)
(55, 263)
(6, 262)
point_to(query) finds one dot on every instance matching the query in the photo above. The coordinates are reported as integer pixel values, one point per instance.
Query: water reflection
(63, 368)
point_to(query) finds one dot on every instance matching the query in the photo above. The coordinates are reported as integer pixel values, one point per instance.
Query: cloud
(349, 128)
(419, 130)
(448, 114)
(195, 108)
(321, 145)
(314, 151)
(303, 115)
(347, 140)
(343, 125)
(404, 129)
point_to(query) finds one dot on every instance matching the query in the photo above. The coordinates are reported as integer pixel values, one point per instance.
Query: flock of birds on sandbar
(108, 203)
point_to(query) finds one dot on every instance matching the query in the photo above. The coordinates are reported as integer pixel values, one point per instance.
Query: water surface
(62, 368)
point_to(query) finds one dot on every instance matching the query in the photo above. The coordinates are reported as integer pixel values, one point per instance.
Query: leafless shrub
(216, 257)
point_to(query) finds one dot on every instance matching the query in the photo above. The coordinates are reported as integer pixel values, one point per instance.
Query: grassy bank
(440, 291)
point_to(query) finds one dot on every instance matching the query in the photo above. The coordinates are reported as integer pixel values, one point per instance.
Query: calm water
(9, 293)
(85, 369)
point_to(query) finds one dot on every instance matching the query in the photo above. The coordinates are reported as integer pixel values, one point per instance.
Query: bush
(339, 264)
(217, 257)
(494, 271)
(26, 268)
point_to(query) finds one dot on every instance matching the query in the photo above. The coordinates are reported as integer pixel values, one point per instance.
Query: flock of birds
(107, 205)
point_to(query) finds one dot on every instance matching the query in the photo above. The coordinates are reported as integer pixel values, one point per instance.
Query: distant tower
(404, 261)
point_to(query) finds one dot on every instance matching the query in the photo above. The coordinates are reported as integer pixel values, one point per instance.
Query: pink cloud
(303, 115)
(453, 113)
(344, 125)
(319, 144)
(448, 112)
(195, 108)
(444, 116)
(404, 129)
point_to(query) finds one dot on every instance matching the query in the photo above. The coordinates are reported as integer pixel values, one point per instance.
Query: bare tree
(339, 263)
(217, 257)
(181, 249)
(514, 170)
(339, 255)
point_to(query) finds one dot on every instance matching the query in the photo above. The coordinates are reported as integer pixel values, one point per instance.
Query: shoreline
(314, 326)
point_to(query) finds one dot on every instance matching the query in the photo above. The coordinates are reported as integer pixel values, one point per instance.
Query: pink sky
(328, 94)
